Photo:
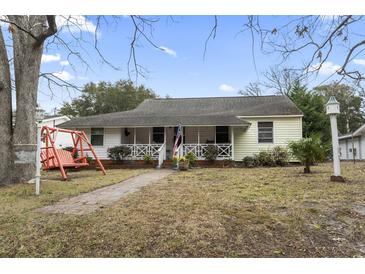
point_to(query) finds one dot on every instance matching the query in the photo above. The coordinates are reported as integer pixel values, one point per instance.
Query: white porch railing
(161, 155)
(224, 150)
(138, 151)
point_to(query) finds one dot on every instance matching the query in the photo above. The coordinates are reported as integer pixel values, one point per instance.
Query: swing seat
(65, 158)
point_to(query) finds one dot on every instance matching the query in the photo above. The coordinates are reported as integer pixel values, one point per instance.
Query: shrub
(70, 149)
(265, 158)
(211, 153)
(308, 151)
(117, 153)
(250, 161)
(148, 159)
(88, 159)
(191, 158)
(280, 155)
(229, 163)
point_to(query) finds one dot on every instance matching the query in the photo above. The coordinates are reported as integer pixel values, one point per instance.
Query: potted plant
(183, 164)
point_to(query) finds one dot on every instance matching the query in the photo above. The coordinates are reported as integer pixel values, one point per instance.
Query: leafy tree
(312, 105)
(352, 114)
(308, 151)
(106, 97)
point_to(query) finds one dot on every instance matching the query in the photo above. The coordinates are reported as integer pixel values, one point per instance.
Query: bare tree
(281, 80)
(252, 89)
(30, 36)
(318, 36)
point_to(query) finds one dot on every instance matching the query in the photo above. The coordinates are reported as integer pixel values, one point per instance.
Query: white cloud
(64, 63)
(327, 68)
(75, 23)
(168, 51)
(46, 58)
(359, 61)
(63, 75)
(226, 88)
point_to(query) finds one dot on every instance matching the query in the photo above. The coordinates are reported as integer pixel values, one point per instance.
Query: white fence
(224, 150)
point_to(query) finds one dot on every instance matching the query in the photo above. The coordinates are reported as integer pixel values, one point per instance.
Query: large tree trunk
(27, 60)
(5, 116)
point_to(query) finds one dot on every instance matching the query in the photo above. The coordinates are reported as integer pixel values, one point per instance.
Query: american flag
(178, 137)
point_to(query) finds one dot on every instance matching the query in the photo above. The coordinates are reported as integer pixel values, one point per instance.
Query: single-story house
(352, 145)
(237, 126)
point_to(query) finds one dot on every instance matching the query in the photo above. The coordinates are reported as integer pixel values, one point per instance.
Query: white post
(164, 140)
(38, 161)
(182, 142)
(332, 109)
(335, 146)
(232, 142)
(149, 141)
(134, 142)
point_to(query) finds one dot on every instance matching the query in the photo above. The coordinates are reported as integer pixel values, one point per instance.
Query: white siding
(112, 137)
(346, 148)
(246, 141)
(61, 139)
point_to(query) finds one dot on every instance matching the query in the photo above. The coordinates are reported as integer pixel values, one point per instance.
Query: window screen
(222, 134)
(158, 135)
(265, 132)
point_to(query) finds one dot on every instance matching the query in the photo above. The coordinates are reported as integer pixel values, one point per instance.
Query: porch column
(149, 141)
(215, 135)
(198, 135)
(232, 142)
(182, 142)
(134, 142)
(164, 141)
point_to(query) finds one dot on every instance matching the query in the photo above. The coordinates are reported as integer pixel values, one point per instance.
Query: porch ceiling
(108, 120)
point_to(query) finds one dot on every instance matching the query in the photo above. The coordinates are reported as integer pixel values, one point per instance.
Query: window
(158, 135)
(221, 135)
(265, 132)
(97, 136)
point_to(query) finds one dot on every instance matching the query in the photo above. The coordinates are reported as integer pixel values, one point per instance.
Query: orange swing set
(52, 158)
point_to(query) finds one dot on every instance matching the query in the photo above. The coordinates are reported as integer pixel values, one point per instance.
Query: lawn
(261, 212)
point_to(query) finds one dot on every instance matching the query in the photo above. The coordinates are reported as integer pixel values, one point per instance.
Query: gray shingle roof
(192, 111)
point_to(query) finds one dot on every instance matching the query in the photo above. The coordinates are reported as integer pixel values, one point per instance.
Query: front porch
(158, 142)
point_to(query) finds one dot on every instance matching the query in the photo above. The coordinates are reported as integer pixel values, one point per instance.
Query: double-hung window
(97, 136)
(265, 132)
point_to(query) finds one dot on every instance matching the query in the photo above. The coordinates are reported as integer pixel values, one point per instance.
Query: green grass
(261, 212)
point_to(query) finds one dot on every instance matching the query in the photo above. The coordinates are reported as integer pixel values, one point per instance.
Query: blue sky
(180, 70)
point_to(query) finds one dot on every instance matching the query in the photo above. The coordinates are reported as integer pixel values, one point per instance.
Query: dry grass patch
(261, 212)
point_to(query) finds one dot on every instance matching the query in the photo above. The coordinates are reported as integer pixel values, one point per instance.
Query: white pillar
(335, 146)
(232, 142)
(134, 136)
(149, 135)
(164, 141)
(38, 161)
(198, 135)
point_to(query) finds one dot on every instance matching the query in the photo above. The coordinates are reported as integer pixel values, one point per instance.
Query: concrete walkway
(106, 196)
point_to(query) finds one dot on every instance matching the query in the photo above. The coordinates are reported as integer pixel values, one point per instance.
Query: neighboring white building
(353, 145)
(62, 139)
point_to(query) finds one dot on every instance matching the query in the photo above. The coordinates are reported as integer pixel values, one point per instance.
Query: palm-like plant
(308, 151)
